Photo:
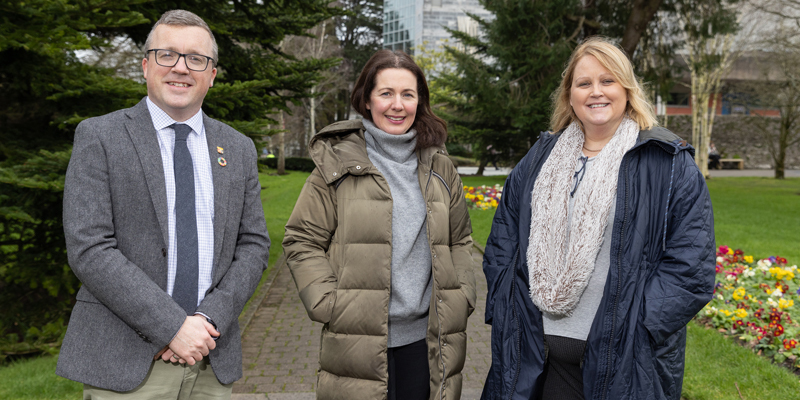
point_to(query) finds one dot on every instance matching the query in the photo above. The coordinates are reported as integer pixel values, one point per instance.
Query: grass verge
(759, 215)
(36, 379)
(278, 195)
(482, 220)
(715, 366)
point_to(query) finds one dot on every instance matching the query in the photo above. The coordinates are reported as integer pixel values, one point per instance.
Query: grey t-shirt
(577, 325)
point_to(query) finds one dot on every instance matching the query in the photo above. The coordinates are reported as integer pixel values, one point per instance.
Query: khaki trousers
(170, 380)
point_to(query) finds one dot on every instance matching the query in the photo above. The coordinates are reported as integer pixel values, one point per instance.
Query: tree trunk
(312, 111)
(642, 13)
(482, 166)
(783, 142)
(281, 158)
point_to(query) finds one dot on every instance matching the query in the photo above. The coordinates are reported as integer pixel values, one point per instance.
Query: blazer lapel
(145, 140)
(222, 180)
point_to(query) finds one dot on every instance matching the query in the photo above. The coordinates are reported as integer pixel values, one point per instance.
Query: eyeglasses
(169, 58)
(580, 172)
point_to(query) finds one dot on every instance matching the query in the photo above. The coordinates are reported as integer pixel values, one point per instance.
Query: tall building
(411, 23)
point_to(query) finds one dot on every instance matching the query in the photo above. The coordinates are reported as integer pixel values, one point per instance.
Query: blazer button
(164, 252)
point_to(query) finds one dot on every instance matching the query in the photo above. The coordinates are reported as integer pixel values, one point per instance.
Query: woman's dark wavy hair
(431, 130)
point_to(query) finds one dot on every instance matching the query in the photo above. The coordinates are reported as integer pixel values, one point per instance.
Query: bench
(737, 163)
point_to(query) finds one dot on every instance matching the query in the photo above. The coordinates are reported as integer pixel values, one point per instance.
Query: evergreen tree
(504, 79)
(359, 30)
(46, 90)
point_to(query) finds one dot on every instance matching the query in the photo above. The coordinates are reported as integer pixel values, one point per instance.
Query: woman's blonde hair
(613, 59)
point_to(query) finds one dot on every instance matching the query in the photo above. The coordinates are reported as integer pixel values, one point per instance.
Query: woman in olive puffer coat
(379, 245)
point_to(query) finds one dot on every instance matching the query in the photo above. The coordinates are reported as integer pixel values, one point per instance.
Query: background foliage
(46, 90)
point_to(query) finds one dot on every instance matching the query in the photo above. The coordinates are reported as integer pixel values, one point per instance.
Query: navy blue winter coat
(661, 274)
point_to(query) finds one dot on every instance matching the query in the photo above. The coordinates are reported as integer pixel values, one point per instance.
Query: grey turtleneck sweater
(396, 160)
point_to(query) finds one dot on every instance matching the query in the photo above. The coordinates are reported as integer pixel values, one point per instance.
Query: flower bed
(754, 301)
(483, 197)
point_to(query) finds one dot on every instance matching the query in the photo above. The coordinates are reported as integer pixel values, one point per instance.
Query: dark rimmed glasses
(169, 58)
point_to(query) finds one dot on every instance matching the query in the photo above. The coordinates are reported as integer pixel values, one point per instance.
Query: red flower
(738, 252)
(778, 330)
(789, 344)
(781, 260)
(723, 250)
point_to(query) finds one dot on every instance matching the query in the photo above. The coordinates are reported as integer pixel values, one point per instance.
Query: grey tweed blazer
(115, 222)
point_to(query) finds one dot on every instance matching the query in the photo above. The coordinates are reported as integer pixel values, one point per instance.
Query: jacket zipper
(619, 280)
(516, 325)
(436, 307)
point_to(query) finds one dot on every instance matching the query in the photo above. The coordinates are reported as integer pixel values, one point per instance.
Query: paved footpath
(281, 345)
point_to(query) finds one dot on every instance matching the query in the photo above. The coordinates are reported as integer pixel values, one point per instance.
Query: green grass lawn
(482, 219)
(278, 195)
(36, 379)
(759, 215)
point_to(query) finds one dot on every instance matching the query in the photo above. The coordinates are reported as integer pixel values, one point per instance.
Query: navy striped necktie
(184, 291)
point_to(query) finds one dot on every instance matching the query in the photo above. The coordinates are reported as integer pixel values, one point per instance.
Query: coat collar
(340, 149)
(663, 137)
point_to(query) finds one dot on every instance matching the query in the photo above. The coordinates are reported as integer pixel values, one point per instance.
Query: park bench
(738, 163)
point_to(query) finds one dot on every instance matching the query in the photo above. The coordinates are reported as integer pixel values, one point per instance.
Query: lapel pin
(220, 150)
(222, 161)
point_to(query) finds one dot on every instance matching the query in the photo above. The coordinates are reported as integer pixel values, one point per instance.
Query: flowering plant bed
(483, 197)
(754, 302)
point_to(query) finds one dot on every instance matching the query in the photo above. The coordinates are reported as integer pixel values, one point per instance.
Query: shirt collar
(162, 120)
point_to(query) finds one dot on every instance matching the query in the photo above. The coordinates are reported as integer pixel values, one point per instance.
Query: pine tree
(504, 79)
(46, 90)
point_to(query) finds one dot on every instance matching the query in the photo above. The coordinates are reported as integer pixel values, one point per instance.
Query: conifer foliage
(46, 90)
(503, 81)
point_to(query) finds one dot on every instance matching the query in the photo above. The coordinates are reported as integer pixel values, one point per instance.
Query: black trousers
(563, 369)
(409, 376)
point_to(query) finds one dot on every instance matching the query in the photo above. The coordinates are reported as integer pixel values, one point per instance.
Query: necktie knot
(181, 131)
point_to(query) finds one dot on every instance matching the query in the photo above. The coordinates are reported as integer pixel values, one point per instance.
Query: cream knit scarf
(560, 267)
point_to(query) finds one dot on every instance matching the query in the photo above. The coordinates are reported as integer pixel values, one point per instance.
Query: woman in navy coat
(602, 248)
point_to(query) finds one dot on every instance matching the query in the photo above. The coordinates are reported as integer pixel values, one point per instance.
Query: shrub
(291, 163)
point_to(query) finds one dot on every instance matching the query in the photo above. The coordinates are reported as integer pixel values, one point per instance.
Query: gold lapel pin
(220, 150)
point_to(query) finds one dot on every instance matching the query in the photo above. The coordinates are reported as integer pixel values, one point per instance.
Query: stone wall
(738, 136)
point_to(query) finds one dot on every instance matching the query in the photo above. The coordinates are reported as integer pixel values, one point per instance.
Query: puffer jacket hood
(338, 248)
(661, 274)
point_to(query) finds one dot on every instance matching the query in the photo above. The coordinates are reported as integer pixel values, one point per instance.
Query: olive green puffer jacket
(338, 247)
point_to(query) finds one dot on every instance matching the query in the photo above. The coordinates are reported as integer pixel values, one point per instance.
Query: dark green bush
(291, 163)
(458, 149)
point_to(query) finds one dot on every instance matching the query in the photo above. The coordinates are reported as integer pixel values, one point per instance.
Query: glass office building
(411, 23)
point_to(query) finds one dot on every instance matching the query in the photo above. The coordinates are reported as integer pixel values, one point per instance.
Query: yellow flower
(783, 303)
(480, 197)
(730, 251)
(726, 312)
(780, 273)
(741, 313)
(748, 259)
(739, 293)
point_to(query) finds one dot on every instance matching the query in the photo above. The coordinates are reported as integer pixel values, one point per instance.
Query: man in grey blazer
(165, 229)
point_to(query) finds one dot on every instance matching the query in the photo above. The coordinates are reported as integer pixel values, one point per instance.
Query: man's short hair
(183, 18)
